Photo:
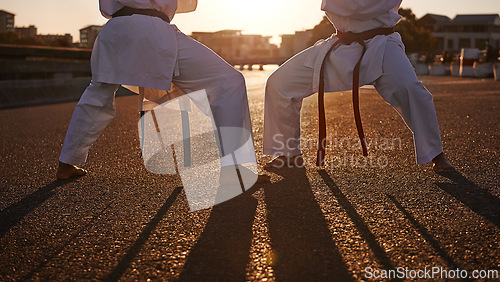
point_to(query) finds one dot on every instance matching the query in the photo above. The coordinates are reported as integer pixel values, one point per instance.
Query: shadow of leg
(14, 213)
(53, 254)
(477, 199)
(426, 234)
(359, 222)
(128, 258)
(300, 238)
(222, 251)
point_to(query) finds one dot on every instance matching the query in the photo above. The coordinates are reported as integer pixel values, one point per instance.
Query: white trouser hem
(72, 160)
(429, 157)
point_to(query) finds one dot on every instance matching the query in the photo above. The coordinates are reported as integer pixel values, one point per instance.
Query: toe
(67, 172)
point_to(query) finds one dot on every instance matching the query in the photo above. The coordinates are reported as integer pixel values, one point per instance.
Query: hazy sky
(267, 17)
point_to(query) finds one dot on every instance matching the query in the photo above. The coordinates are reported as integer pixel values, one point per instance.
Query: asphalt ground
(339, 223)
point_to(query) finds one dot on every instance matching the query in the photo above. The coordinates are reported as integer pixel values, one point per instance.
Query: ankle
(439, 158)
(64, 165)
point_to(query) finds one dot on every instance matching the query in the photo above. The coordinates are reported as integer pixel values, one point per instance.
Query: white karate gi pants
(198, 68)
(398, 85)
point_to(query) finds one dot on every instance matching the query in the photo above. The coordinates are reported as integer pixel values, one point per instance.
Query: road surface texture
(351, 220)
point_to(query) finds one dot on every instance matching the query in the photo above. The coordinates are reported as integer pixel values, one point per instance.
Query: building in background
(26, 32)
(51, 39)
(237, 48)
(433, 21)
(224, 43)
(88, 35)
(6, 21)
(286, 46)
(66, 38)
(464, 31)
(31, 33)
(292, 44)
(301, 40)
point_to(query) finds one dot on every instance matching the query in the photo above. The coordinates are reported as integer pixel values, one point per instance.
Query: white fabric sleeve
(107, 8)
(186, 6)
(359, 9)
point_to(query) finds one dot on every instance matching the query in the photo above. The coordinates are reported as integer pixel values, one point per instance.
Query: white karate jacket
(138, 50)
(355, 16)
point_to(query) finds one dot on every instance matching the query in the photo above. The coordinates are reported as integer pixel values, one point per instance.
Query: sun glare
(254, 16)
(249, 8)
(254, 9)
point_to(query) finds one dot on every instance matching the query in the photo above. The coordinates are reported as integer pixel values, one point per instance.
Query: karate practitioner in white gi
(384, 64)
(147, 51)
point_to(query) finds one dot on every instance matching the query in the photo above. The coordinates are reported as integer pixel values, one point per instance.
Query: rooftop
(6, 13)
(489, 18)
(437, 18)
(92, 27)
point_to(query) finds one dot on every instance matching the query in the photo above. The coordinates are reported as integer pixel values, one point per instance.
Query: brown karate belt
(345, 38)
(128, 11)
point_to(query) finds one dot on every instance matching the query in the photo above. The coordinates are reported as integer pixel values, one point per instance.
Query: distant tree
(8, 37)
(60, 42)
(12, 38)
(322, 30)
(416, 37)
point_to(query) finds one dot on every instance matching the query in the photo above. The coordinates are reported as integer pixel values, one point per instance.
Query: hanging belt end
(320, 158)
(364, 148)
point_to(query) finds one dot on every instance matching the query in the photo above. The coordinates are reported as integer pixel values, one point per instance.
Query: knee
(416, 90)
(99, 95)
(403, 85)
(235, 79)
(274, 82)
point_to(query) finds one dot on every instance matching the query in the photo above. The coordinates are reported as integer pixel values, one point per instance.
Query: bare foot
(441, 164)
(284, 161)
(67, 171)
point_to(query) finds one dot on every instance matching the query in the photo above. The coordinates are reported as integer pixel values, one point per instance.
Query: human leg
(400, 87)
(199, 68)
(92, 114)
(285, 90)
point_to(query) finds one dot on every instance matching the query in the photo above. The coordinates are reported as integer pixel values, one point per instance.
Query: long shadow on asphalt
(426, 235)
(477, 199)
(132, 252)
(50, 256)
(13, 214)
(359, 222)
(222, 250)
(300, 238)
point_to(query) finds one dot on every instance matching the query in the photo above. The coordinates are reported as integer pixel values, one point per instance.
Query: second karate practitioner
(139, 46)
(384, 65)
